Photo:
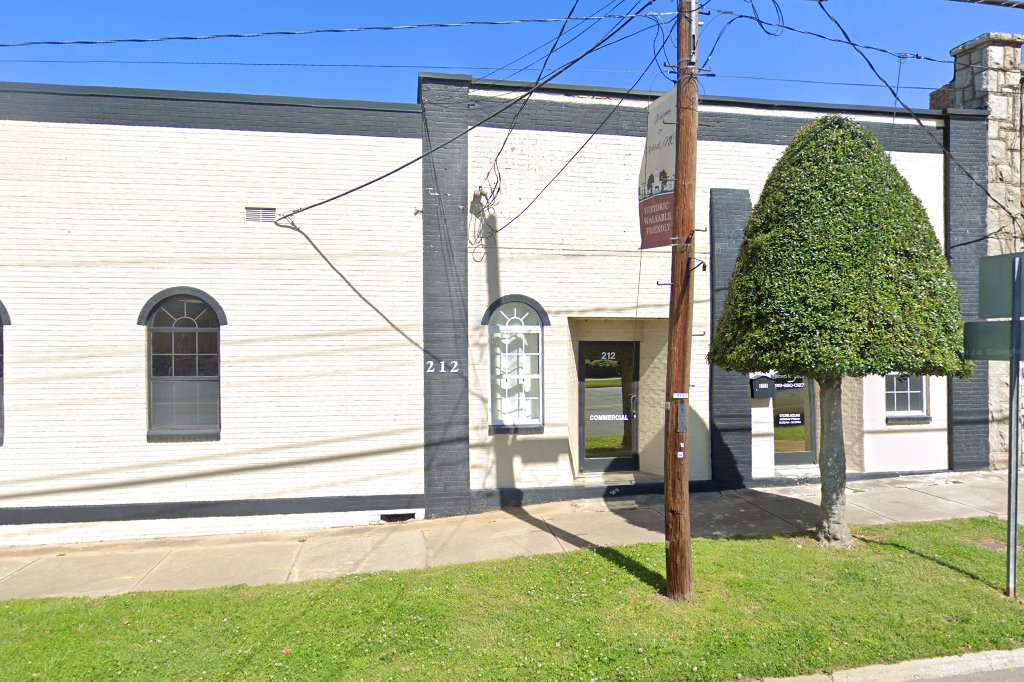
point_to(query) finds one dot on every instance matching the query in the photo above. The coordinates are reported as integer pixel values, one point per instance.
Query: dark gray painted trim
(499, 429)
(200, 96)
(716, 126)
(966, 137)
(445, 298)
(484, 500)
(181, 436)
(516, 298)
(220, 111)
(594, 90)
(907, 419)
(156, 299)
(5, 318)
(731, 425)
(11, 516)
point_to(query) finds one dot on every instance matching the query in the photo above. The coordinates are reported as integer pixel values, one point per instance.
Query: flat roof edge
(570, 88)
(197, 96)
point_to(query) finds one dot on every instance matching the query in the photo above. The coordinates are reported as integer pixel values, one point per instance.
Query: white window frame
(908, 412)
(494, 374)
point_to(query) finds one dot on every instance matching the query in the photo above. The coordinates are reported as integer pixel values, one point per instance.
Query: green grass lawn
(778, 606)
(598, 383)
(603, 444)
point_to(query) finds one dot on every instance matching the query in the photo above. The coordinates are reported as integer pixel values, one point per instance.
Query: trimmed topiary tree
(839, 274)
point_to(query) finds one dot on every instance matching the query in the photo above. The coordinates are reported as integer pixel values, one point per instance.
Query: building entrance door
(609, 374)
(793, 416)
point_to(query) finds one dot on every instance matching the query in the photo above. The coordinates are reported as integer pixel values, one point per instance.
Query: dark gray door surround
(966, 137)
(731, 443)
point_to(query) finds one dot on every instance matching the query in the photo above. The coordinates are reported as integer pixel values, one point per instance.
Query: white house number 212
(442, 366)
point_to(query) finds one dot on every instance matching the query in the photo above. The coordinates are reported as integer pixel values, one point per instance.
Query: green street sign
(995, 286)
(987, 340)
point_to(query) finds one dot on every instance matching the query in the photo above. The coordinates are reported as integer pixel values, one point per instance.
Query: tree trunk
(832, 528)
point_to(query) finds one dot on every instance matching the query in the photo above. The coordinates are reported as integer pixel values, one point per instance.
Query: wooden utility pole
(679, 557)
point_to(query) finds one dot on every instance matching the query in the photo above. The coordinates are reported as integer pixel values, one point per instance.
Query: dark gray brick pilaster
(445, 321)
(966, 243)
(731, 446)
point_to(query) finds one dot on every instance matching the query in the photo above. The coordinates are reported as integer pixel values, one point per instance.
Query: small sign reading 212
(442, 366)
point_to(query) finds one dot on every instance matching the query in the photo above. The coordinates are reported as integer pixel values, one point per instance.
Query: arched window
(515, 327)
(183, 326)
(5, 319)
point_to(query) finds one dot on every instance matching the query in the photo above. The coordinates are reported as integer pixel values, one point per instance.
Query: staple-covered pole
(678, 554)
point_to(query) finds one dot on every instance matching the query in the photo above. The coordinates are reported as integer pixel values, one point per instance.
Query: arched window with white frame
(515, 326)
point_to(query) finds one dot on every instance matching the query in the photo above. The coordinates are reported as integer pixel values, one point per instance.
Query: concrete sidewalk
(189, 563)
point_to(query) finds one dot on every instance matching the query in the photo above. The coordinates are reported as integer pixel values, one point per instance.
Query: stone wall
(988, 75)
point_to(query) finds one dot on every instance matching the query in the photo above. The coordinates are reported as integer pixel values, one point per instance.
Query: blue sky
(744, 57)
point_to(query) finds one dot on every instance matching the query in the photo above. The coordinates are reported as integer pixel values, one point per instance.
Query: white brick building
(311, 397)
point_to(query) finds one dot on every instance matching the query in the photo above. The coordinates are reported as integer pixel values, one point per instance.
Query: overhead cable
(322, 31)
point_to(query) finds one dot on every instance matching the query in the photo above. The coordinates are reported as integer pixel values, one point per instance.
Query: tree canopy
(840, 272)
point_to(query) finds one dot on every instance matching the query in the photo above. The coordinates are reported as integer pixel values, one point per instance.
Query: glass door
(609, 377)
(794, 421)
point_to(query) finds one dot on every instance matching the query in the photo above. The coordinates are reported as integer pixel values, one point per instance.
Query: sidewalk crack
(940, 497)
(151, 569)
(19, 570)
(290, 577)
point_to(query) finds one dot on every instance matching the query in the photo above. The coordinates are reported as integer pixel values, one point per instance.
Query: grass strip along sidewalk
(776, 606)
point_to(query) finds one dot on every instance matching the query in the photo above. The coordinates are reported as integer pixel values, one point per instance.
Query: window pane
(160, 342)
(208, 365)
(890, 383)
(207, 318)
(184, 405)
(207, 342)
(902, 402)
(184, 342)
(900, 383)
(162, 365)
(184, 365)
(175, 307)
(890, 402)
(917, 401)
(915, 383)
(162, 318)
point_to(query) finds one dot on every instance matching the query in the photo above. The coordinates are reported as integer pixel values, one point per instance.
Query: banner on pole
(657, 173)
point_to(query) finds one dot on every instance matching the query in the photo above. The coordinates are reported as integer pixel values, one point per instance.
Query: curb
(928, 668)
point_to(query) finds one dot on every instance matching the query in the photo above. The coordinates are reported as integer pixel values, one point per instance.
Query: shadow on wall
(530, 451)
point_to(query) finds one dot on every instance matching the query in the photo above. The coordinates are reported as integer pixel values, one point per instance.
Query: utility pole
(678, 553)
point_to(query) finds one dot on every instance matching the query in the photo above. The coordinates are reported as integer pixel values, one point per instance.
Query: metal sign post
(1011, 504)
(1001, 340)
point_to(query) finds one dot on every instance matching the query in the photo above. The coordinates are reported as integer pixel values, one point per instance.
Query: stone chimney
(988, 75)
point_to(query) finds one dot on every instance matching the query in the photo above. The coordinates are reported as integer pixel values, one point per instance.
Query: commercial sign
(657, 173)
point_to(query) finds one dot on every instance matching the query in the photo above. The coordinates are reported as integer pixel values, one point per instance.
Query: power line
(320, 31)
(603, 42)
(1013, 216)
(1015, 4)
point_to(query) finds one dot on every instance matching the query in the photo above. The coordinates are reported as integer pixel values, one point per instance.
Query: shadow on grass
(928, 557)
(652, 579)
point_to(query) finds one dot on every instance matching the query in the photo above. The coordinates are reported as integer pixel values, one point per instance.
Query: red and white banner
(657, 181)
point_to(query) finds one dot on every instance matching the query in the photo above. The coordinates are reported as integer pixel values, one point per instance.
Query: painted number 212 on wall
(442, 366)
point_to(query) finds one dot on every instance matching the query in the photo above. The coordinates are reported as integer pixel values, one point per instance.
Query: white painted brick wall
(320, 396)
(575, 252)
